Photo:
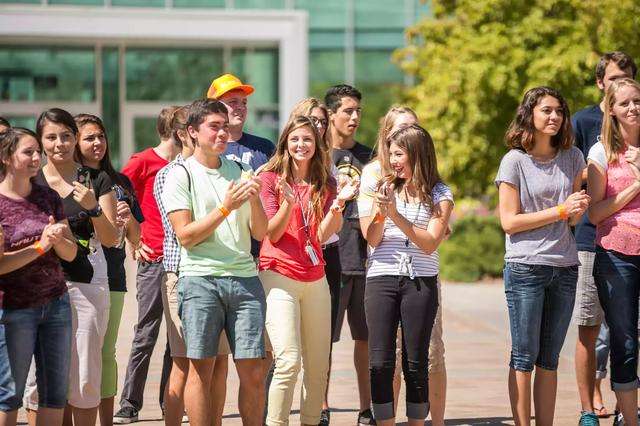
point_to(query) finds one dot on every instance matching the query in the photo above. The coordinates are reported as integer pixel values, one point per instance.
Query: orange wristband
(225, 211)
(38, 247)
(378, 218)
(562, 212)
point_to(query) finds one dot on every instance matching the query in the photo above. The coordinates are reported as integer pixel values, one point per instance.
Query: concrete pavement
(476, 337)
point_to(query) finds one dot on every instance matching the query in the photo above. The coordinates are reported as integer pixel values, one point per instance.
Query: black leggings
(389, 299)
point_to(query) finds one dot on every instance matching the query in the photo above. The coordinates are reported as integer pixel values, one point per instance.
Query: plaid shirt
(170, 245)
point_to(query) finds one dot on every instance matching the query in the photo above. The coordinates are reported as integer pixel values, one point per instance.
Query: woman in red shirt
(299, 198)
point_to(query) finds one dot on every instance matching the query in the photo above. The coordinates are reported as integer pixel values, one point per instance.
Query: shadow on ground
(472, 421)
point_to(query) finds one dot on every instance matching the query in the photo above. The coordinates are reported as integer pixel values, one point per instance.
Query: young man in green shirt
(214, 207)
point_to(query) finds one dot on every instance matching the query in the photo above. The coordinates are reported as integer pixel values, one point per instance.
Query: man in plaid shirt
(174, 391)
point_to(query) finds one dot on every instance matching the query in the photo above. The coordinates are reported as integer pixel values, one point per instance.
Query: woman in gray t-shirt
(539, 184)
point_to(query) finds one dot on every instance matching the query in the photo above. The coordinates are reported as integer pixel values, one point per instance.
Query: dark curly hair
(520, 134)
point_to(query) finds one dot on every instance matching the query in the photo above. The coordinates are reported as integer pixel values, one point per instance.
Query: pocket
(521, 268)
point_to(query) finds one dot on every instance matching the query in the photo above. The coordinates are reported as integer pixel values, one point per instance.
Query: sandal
(601, 412)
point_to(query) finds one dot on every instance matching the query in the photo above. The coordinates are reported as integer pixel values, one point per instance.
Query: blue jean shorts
(43, 333)
(540, 299)
(207, 305)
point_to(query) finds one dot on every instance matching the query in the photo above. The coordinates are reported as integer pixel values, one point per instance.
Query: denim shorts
(43, 333)
(618, 279)
(540, 299)
(207, 305)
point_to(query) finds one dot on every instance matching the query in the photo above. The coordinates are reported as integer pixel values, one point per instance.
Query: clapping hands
(52, 234)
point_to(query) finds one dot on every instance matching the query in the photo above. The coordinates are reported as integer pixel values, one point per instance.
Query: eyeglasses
(318, 121)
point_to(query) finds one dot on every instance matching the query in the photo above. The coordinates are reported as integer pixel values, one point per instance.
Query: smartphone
(120, 194)
(84, 175)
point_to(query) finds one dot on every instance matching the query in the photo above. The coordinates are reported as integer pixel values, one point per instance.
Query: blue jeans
(43, 332)
(618, 279)
(207, 305)
(540, 299)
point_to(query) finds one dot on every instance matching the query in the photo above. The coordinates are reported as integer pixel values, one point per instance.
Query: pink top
(620, 231)
(287, 256)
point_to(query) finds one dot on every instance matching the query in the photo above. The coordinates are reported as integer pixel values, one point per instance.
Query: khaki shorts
(436, 344)
(587, 310)
(174, 324)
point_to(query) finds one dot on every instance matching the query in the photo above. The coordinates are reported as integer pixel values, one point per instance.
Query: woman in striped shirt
(409, 220)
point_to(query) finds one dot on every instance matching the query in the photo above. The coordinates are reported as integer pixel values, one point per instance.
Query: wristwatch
(95, 212)
(336, 208)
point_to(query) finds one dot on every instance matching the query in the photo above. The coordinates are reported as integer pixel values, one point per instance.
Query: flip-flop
(601, 412)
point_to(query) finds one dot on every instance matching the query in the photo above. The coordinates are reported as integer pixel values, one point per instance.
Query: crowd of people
(260, 250)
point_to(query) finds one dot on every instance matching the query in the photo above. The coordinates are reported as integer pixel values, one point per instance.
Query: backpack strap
(188, 174)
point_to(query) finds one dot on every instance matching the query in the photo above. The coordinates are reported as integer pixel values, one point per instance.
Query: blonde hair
(319, 169)
(305, 106)
(386, 124)
(611, 137)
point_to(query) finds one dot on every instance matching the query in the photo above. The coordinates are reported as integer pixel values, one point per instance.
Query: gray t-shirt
(542, 185)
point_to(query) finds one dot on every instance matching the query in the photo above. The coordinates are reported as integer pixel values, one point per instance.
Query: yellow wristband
(225, 211)
(562, 212)
(38, 248)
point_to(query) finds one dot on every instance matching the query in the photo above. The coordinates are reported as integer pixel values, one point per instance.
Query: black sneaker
(325, 417)
(618, 419)
(125, 415)
(365, 418)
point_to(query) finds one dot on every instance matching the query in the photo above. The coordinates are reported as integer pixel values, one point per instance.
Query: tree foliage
(473, 61)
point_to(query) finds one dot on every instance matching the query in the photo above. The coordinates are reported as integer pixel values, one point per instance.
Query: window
(259, 4)
(30, 74)
(80, 2)
(326, 68)
(170, 74)
(199, 3)
(325, 14)
(138, 3)
(259, 67)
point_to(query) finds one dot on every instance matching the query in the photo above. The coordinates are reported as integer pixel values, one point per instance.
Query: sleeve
(508, 171)
(441, 192)
(176, 194)
(134, 171)
(332, 188)
(368, 187)
(269, 194)
(598, 155)
(102, 184)
(578, 160)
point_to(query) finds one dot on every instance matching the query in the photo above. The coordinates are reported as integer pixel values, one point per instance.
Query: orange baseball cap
(226, 83)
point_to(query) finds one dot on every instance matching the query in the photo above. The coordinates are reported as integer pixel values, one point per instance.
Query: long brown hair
(418, 145)
(611, 136)
(521, 132)
(319, 169)
(105, 164)
(386, 124)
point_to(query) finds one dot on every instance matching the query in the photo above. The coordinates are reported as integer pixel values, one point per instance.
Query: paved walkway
(477, 351)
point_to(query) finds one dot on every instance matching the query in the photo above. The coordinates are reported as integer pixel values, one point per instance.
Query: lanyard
(415, 220)
(306, 216)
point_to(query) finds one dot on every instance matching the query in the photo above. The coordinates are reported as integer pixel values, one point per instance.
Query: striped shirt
(386, 259)
(170, 245)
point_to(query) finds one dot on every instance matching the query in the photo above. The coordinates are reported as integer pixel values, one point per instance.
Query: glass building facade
(128, 82)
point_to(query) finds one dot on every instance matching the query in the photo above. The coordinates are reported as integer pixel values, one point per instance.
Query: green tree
(473, 61)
